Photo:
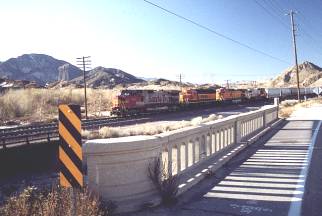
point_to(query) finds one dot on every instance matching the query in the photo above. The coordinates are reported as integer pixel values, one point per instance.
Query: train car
(289, 93)
(197, 96)
(279, 92)
(255, 94)
(130, 102)
(317, 90)
(230, 95)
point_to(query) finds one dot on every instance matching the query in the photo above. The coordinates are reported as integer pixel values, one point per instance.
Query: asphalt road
(280, 175)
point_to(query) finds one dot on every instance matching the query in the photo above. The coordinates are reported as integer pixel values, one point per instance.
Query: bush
(288, 103)
(42, 104)
(58, 201)
(147, 128)
(167, 185)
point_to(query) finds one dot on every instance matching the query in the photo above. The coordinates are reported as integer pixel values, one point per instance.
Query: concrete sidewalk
(268, 178)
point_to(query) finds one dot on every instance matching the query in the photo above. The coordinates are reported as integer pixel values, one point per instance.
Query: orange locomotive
(197, 96)
(230, 95)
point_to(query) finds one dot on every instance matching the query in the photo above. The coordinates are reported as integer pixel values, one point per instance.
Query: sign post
(70, 146)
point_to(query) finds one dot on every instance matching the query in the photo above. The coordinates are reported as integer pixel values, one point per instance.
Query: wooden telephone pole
(84, 63)
(295, 55)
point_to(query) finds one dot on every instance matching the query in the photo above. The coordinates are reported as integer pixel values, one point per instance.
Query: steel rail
(34, 133)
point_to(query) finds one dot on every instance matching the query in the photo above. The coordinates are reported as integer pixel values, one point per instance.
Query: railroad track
(25, 135)
(46, 132)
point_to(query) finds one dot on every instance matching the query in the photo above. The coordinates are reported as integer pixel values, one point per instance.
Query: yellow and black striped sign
(70, 147)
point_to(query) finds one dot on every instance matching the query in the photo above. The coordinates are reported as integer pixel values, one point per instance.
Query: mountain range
(43, 69)
(35, 67)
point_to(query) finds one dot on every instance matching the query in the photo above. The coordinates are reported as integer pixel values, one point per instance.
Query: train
(133, 102)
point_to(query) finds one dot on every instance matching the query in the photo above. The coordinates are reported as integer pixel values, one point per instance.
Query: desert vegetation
(147, 128)
(289, 106)
(167, 185)
(57, 201)
(42, 104)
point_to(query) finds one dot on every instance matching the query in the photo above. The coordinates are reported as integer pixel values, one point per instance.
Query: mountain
(106, 77)
(36, 67)
(309, 75)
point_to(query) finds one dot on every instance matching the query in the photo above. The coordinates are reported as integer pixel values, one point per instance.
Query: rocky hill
(106, 78)
(6, 84)
(309, 75)
(36, 67)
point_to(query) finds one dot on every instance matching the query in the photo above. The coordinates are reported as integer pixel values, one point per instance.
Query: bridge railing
(118, 167)
(188, 147)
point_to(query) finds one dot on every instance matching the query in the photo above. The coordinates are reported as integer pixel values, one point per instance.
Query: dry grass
(147, 128)
(289, 106)
(58, 201)
(42, 104)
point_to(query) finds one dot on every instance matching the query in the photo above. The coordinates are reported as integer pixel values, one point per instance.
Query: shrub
(167, 185)
(41, 104)
(58, 201)
(147, 128)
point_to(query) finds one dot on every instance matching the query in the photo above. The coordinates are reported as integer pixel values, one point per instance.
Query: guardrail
(117, 167)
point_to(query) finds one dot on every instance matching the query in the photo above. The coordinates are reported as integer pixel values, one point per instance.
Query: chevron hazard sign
(70, 146)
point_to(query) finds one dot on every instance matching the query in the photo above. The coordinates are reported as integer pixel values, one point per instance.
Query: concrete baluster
(237, 131)
(178, 157)
(264, 119)
(213, 142)
(197, 149)
(210, 143)
(187, 153)
(169, 159)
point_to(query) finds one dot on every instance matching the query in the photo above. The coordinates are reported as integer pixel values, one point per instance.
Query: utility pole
(227, 83)
(295, 55)
(84, 63)
(180, 80)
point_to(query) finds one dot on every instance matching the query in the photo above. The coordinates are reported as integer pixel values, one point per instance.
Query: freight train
(132, 102)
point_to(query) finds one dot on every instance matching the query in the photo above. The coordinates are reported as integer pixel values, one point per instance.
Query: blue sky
(147, 42)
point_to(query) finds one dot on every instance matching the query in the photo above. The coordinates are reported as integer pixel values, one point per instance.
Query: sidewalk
(267, 178)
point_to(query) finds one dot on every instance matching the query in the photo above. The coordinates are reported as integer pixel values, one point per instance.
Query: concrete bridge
(248, 164)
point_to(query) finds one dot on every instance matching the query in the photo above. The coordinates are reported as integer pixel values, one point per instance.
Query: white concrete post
(276, 101)
(178, 158)
(264, 119)
(187, 153)
(237, 131)
(169, 159)
(210, 143)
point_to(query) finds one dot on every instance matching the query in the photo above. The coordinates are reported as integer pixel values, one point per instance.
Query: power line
(277, 18)
(215, 32)
(277, 9)
(278, 6)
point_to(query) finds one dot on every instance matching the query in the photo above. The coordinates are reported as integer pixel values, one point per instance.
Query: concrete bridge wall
(118, 167)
